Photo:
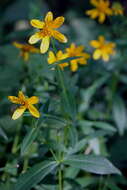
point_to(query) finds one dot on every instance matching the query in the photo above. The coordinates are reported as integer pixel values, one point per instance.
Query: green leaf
(98, 124)
(93, 164)
(28, 140)
(35, 175)
(2, 134)
(88, 93)
(119, 114)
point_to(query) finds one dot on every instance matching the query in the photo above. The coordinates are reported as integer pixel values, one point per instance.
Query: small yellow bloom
(47, 29)
(117, 9)
(25, 50)
(103, 49)
(26, 103)
(52, 58)
(101, 10)
(77, 51)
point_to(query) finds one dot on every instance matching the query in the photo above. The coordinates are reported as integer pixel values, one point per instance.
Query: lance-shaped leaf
(28, 140)
(91, 163)
(34, 175)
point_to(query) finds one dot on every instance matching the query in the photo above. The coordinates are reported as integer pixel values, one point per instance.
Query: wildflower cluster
(47, 30)
(103, 8)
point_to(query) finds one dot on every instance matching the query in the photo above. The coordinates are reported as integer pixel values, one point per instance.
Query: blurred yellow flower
(103, 49)
(47, 29)
(52, 58)
(26, 103)
(101, 10)
(77, 51)
(25, 50)
(117, 8)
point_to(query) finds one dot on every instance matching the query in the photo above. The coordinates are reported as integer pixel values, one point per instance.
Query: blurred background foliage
(100, 90)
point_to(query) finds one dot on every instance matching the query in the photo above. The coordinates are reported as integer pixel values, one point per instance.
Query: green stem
(60, 179)
(25, 164)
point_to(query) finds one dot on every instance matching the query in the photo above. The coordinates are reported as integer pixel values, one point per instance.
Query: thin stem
(25, 164)
(60, 179)
(54, 156)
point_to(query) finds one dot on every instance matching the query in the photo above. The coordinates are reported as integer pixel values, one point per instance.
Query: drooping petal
(25, 56)
(49, 17)
(74, 65)
(57, 35)
(18, 45)
(14, 99)
(51, 58)
(102, 18)
(18, 112)
(95, 44)
(33, 100)
(34, 38)
(37, 23)
(97, 54)
(105, 57)
(45, 44)
(34, 111)
(58, 22)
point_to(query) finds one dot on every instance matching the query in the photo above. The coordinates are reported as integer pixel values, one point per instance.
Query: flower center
(102, 7)
(46, 32)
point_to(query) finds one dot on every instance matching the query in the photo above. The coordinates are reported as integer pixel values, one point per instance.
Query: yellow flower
(117, 8)
(103, 49)
(47, 29)
(52, 58)
(25, 50)
(74, 51)
(101, 10)
(26, 103)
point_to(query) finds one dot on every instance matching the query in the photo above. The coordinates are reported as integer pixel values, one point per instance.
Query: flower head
(77, 51)
(101, 10)
(52, 58)
(47, 29)
(25, 50)
(26, 103)
(102, 48)
(117, 8)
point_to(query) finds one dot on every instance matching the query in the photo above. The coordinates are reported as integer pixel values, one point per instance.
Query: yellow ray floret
(103, 49)
(25, 103)
(101, 10)
(117, 9)
(47, 29)
(52, 58)
(77, 51)
(25, 50)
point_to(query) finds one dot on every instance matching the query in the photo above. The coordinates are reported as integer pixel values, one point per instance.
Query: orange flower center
(46, 31)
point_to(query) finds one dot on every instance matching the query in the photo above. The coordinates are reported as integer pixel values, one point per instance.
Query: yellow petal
(94, 14)
(45, 44)
(97, 54)
(34, 111)
(95, 44)
(105, 57)
(101, 39)
(21, 95)
(34, 38)
(18, 45)
(102, 18)
(51, 58)
(49, 17)
(25, 56)
(37, 23)
(74, 65)
(57, 35)
(14, 99)
(33, 100)
(18, 112)
(58, 22)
